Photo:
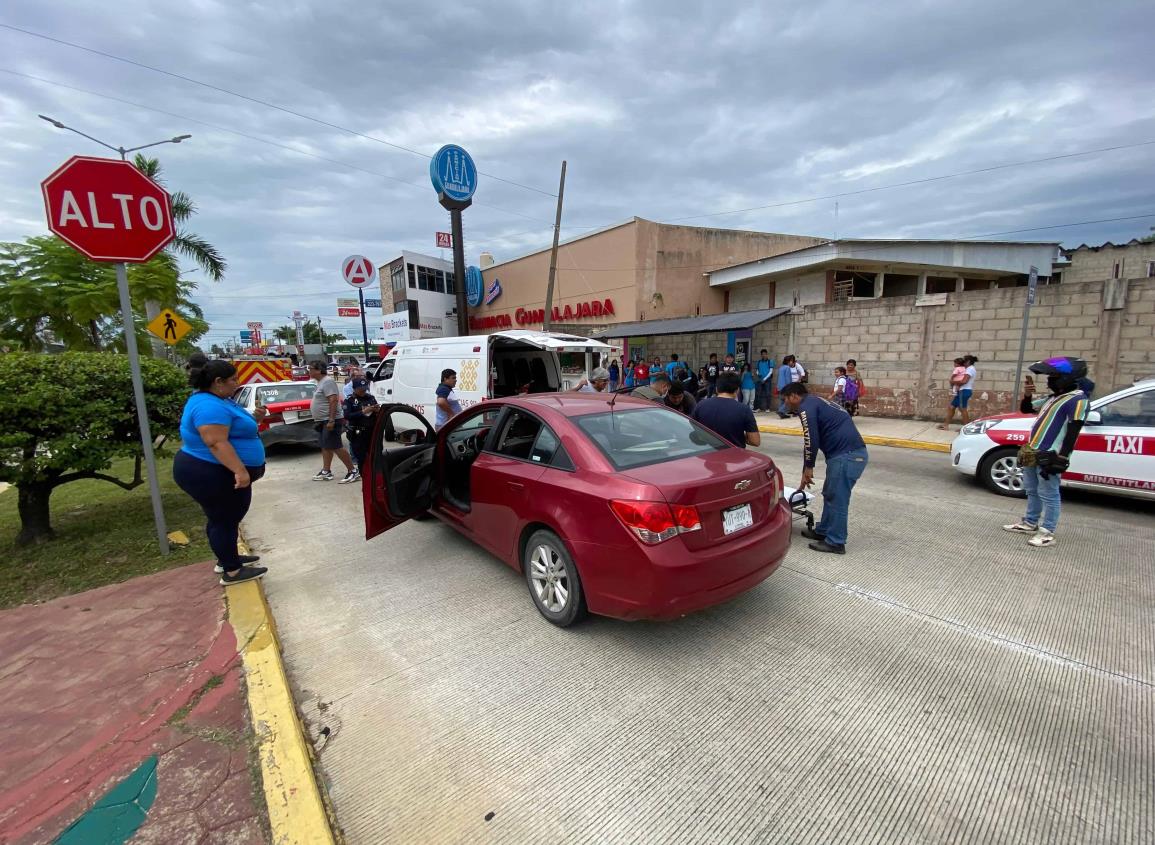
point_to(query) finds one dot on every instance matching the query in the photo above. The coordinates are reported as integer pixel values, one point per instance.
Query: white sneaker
(1021, 528)
(1043, 538)
(323, 475)
(350, 477)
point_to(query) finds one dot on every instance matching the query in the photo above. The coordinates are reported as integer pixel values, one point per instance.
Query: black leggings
(212, 486)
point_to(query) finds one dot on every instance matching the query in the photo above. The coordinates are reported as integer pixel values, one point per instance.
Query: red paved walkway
(92, 684)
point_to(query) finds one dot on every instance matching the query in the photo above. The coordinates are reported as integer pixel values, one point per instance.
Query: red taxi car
(289, 418)
(1114, 453)
(620, 508)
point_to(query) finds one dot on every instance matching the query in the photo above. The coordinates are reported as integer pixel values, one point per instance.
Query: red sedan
(622, 508)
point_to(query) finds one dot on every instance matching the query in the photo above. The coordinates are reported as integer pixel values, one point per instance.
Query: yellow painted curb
(873, 440)
(296, 809)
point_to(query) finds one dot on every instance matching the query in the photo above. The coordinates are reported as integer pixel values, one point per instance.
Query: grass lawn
(103, 535)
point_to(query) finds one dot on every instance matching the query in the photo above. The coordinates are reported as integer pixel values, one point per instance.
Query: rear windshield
(286, 392)
(637, 438)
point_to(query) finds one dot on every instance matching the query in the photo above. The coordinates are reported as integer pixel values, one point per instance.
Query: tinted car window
(1138, 409)
(547, 449)
(518, 435)
(637, 438)
(286, 392)
(483, 420)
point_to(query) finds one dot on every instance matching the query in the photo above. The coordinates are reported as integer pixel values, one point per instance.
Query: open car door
(398, 483)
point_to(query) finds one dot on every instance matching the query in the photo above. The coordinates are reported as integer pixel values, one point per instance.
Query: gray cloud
(663, 110)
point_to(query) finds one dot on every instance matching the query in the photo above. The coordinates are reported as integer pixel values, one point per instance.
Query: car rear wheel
(552, 577)
(1000, 472)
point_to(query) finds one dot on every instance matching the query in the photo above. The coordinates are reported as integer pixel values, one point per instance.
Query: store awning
(692, 325)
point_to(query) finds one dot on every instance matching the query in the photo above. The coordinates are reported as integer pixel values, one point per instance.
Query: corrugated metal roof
(691, 325)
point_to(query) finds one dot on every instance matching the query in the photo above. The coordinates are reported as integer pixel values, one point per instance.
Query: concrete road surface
(941, 682)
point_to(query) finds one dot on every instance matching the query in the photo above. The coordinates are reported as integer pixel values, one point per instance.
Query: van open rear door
(558, 344)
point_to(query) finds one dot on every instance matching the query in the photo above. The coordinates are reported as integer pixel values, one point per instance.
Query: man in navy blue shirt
(725, 415)
(827, 428)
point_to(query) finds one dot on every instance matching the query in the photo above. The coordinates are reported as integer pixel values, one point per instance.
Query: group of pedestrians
(339, 413)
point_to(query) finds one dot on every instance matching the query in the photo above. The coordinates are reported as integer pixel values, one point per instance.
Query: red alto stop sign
(108, 209)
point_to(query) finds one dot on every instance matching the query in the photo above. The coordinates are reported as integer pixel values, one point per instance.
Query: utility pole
(1032, 286)
(547, 319)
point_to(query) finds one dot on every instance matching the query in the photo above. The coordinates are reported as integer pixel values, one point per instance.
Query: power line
(256, 138)
(919, 181)
(250, 99)
(780, 204)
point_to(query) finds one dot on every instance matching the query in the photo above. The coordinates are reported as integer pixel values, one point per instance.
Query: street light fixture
(123, 152)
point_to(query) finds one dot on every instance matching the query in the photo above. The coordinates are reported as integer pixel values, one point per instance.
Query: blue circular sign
(474, 286)
(453, 173)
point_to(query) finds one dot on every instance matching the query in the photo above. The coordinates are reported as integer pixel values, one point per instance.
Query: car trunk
(711, 484)
(291, 411)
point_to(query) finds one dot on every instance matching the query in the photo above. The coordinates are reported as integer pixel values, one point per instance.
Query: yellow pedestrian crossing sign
(169, 326)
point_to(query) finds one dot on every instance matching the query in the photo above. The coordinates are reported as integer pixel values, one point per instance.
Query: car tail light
(655, 522)
(269, 421)
(775, 483)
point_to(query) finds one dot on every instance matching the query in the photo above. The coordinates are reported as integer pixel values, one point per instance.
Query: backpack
(850, 392)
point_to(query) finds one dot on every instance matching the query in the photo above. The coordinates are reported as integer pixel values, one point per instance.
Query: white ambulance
(487, 366)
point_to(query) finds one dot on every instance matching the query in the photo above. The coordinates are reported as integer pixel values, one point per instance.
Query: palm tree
(186, 243)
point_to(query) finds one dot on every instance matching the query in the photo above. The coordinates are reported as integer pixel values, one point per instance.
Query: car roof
(577, 404)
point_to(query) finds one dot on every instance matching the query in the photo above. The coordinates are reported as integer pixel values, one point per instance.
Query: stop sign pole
(111, 212)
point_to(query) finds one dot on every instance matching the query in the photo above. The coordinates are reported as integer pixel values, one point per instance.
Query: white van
(487, 366)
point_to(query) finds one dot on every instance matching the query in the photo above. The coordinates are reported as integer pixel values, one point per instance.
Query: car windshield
(285, 393)
(640, 437)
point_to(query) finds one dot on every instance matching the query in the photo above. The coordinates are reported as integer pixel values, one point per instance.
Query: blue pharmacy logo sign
(453, 173)
(474, 286)
(494, 292)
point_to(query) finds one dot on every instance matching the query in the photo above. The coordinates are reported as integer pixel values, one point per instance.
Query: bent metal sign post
(592, 309)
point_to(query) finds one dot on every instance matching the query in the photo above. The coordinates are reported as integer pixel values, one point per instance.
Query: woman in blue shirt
(748, 386)
(221, 457)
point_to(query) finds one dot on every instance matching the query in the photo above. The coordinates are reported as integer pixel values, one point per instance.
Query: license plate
(735, 519)
(290, 416)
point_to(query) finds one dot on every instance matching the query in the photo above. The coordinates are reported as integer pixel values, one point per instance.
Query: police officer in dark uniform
(360, 409)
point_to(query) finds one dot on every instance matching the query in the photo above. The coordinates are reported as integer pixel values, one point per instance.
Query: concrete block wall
(1093, 265)
(1136, 357)
(905, 351)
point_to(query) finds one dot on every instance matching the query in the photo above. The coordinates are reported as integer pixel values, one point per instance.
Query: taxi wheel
(1000, 472)
(553, 580)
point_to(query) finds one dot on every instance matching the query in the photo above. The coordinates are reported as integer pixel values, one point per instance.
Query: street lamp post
(121, 150)
(129, 324)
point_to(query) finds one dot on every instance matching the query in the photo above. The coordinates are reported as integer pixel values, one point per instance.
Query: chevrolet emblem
(744, 484)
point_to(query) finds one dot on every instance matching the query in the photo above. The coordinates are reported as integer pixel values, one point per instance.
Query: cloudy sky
(664, 109)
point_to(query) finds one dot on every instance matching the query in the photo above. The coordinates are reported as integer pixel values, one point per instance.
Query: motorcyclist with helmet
(1046, 454)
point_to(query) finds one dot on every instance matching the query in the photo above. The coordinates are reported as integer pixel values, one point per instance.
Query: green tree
(49, 290)
(313, 333)
(50, 437)
(1148, 239)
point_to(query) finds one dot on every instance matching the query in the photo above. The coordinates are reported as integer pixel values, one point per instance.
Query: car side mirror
(1094, 418)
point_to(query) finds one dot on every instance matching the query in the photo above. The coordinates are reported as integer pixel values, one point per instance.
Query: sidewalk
(139, 680)
(876, 431)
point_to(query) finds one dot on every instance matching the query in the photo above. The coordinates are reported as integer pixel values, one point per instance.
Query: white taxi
(1115, 452)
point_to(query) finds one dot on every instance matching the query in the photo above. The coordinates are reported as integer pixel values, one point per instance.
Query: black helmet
(1062, 373)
